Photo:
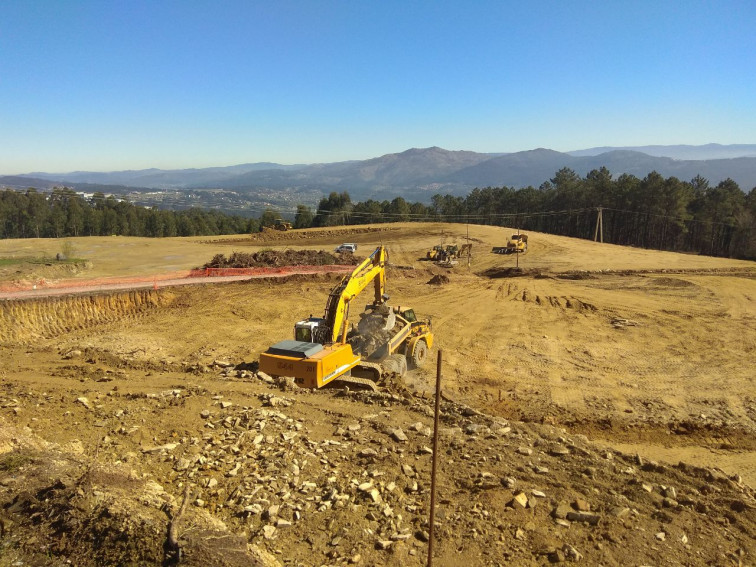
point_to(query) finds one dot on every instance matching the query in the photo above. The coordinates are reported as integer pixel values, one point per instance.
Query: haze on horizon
(109, 86)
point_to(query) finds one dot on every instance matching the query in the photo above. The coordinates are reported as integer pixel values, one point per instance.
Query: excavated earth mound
(439, 279)
(273, 258)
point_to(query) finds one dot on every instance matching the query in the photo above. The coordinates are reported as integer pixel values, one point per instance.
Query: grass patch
(11, 462)
(25, 260)
(38, 261)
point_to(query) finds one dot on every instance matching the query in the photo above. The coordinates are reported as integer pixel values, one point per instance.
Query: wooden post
(517, 252)
(435, 460)
(599, 225)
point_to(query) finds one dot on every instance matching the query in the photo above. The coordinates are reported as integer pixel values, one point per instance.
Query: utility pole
(468, 243)
(517, 254)
(599, 224)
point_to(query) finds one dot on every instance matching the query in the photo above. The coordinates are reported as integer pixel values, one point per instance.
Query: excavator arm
(373, 269)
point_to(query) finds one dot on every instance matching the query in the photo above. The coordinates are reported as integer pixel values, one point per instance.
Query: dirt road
(102, 285)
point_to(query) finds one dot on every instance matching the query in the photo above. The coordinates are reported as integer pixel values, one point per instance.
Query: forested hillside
(63, 212)
(653, 212)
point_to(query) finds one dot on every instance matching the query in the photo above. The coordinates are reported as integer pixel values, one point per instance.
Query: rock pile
(339, 478)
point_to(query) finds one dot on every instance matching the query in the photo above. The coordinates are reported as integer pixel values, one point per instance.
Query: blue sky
(108, 85)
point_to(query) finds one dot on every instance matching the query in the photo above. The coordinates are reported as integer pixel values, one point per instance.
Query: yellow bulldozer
(517, 244)
(282, 225)
(327, 349)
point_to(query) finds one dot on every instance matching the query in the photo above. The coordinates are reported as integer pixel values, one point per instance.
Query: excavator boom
(337, 308)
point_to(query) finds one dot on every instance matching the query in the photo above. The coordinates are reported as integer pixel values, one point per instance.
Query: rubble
(312, 486)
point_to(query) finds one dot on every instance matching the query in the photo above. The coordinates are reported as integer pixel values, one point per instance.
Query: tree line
(64, 213)
(653, 212)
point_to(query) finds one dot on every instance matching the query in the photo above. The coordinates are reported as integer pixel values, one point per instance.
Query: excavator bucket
(376, 321)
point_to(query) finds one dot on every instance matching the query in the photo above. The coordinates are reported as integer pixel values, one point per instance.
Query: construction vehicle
(452, 252)
(282, 225)
(465, 250)
(325, 349)
(448, 255)
(518, 243)
(435, 252)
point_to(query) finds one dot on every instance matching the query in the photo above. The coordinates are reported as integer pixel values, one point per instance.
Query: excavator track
(354, 383)
(362, 382)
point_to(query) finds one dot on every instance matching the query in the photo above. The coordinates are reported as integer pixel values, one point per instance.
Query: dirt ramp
(26, 320)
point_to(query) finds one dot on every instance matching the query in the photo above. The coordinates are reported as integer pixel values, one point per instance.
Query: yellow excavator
(386, 341)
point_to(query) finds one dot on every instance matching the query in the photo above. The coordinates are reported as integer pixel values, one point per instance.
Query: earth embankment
(29, 319)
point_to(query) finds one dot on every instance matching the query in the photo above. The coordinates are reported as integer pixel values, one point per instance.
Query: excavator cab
(311, 330)
(408, 314)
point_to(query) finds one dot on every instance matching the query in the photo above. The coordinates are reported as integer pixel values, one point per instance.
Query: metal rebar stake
(435, 459)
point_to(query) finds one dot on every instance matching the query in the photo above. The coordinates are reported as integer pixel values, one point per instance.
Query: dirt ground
(612, 386)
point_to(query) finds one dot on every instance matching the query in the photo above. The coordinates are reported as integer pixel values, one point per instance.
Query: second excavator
(325, 349)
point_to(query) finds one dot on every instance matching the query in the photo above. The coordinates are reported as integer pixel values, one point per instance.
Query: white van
(347, 247)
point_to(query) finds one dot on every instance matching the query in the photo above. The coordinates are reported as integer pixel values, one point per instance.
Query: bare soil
(609, 389)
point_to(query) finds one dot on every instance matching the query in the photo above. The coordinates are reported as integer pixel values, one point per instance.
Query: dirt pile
(25, 273)
(439, 279)
(273, 258)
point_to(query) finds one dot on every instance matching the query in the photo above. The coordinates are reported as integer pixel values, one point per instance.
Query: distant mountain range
(707, 151)
(417, 174)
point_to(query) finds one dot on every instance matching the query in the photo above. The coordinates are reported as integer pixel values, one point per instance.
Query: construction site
(261, 400)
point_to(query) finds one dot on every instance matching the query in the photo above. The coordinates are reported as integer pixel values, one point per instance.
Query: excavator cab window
(310, 330)
(303, 334)
(409, 315)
